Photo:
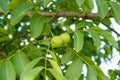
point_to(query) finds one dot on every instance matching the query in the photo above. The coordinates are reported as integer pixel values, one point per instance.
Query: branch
(3, 54)
(93, 16)
(110, 28)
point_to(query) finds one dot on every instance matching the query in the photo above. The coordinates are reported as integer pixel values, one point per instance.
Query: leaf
(83, 24)
(107, 36)
(101, 75)
(86, 8)
(71, 5)
(19, 61)
(87, 60)
(45, 42)
(46, 29)
(74, 71)
(117, 72)
(80, 2)
(90, 4)
(46, 2)
(4, 6)
(29, 67)
(19, 12)
(33, 52)
(3, 31)
(102, 8)
(56, 74)
(55, 65)
(14, 3)
(112, 74)
(91, 73)
(37, 25)
(96, 37)
(53, 56)
(78, 41)
(67, 57)
(7, 71)
(4, 38)
(32, 74)
(115, 11)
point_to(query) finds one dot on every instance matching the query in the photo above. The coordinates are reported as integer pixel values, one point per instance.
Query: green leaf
(102, 8)
(115, 11)
(4, 6)
(99, 71)
(19, 61)
(71, 5)
(91, 73)
(96, 37)
(74, 71)
(46, 2)
(55, 65)
(67, 57)
(83, 24)
(87, 60)
(78, 41)
(37, 25)
(4, 38)
(33, 52)
(45, 42)
(46, 29)
(56, 74)
(80, 2)
(100, 74)
(29, 67)
(107, 36)
(86, 8)
(3, 31)
(32, 74)
(103, 77)
(19, 12)
(112, 74)
(88, 4)
(14, 3)
(53, 56)
(7, 71)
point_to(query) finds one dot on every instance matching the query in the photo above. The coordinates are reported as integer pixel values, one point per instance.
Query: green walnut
(56, 41)
(65, 38)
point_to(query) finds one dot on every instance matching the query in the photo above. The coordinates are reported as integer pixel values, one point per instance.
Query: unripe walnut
(65, 38)
(56, 41)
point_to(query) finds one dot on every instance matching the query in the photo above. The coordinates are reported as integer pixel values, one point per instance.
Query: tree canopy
(57, 39)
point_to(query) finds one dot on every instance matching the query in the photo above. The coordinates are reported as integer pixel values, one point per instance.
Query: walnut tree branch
(92, 16)
(74, 14)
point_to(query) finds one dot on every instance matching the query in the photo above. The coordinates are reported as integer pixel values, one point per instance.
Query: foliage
(28, 26)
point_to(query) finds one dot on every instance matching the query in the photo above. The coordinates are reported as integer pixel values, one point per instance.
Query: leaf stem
(79, 56)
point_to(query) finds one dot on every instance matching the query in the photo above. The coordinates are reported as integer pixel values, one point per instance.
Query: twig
(106, 25)
(3, 54)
